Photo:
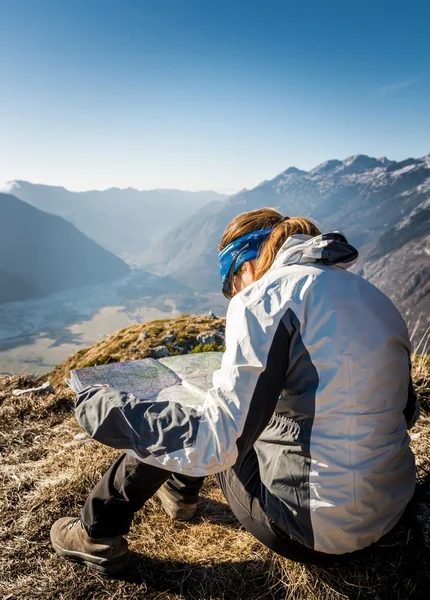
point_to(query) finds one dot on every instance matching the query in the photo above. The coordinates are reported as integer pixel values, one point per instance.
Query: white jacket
(316, 379)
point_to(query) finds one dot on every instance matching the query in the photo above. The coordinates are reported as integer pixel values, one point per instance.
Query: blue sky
(207, 94)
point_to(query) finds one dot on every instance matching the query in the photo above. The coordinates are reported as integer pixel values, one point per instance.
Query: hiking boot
(106, 555)
(176, 509)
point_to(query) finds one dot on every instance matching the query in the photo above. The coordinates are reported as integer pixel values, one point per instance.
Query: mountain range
(42, 253)
(382, 206)
(124, 221)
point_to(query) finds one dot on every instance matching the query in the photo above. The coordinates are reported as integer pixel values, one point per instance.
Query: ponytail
(267, 218)
(282, 231)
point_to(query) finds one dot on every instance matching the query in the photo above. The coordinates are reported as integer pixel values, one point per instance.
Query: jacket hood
(328, 249)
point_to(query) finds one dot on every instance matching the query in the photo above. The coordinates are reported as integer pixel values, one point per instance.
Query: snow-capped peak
(325, 167)
(294, 171)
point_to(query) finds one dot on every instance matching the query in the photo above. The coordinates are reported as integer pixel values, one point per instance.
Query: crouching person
(305, 427)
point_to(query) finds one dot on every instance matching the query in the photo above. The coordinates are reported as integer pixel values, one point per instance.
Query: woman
(306, 424)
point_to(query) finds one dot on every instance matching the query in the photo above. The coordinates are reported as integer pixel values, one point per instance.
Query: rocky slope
(399, 264)
(42, 253)
(366, 198)
(124, 221)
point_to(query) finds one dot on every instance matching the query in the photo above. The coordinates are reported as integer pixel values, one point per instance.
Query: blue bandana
(252, 241)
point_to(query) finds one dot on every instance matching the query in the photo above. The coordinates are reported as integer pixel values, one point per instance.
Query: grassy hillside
(179, 336)
(48, 468)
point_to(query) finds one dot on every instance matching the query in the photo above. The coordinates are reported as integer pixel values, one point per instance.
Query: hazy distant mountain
(379, 204)
(42, 253)
(123, 221)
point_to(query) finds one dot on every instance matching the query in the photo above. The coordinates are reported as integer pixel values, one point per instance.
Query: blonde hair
(267, 218)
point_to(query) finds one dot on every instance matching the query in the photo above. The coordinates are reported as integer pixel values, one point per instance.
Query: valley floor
(38, 334)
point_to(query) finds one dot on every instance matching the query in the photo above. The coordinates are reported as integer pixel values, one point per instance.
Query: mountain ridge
(66, 258)
(124, 221)
(10, 185)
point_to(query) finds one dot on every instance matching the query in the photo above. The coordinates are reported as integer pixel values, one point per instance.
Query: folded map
(183, 379)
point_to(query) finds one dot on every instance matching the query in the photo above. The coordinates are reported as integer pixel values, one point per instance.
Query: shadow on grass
(395, 568)
(382, 576)
(217, 513)
(246, 579)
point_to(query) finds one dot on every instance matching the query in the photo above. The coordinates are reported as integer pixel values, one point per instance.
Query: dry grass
(46, 473)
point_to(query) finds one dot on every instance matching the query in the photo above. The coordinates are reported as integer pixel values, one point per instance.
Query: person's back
(336, 451)
(305, 427)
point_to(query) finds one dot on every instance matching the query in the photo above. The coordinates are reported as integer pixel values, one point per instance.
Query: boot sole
(104, 566)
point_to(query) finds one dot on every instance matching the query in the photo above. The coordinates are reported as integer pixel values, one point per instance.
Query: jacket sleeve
(235, 412)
